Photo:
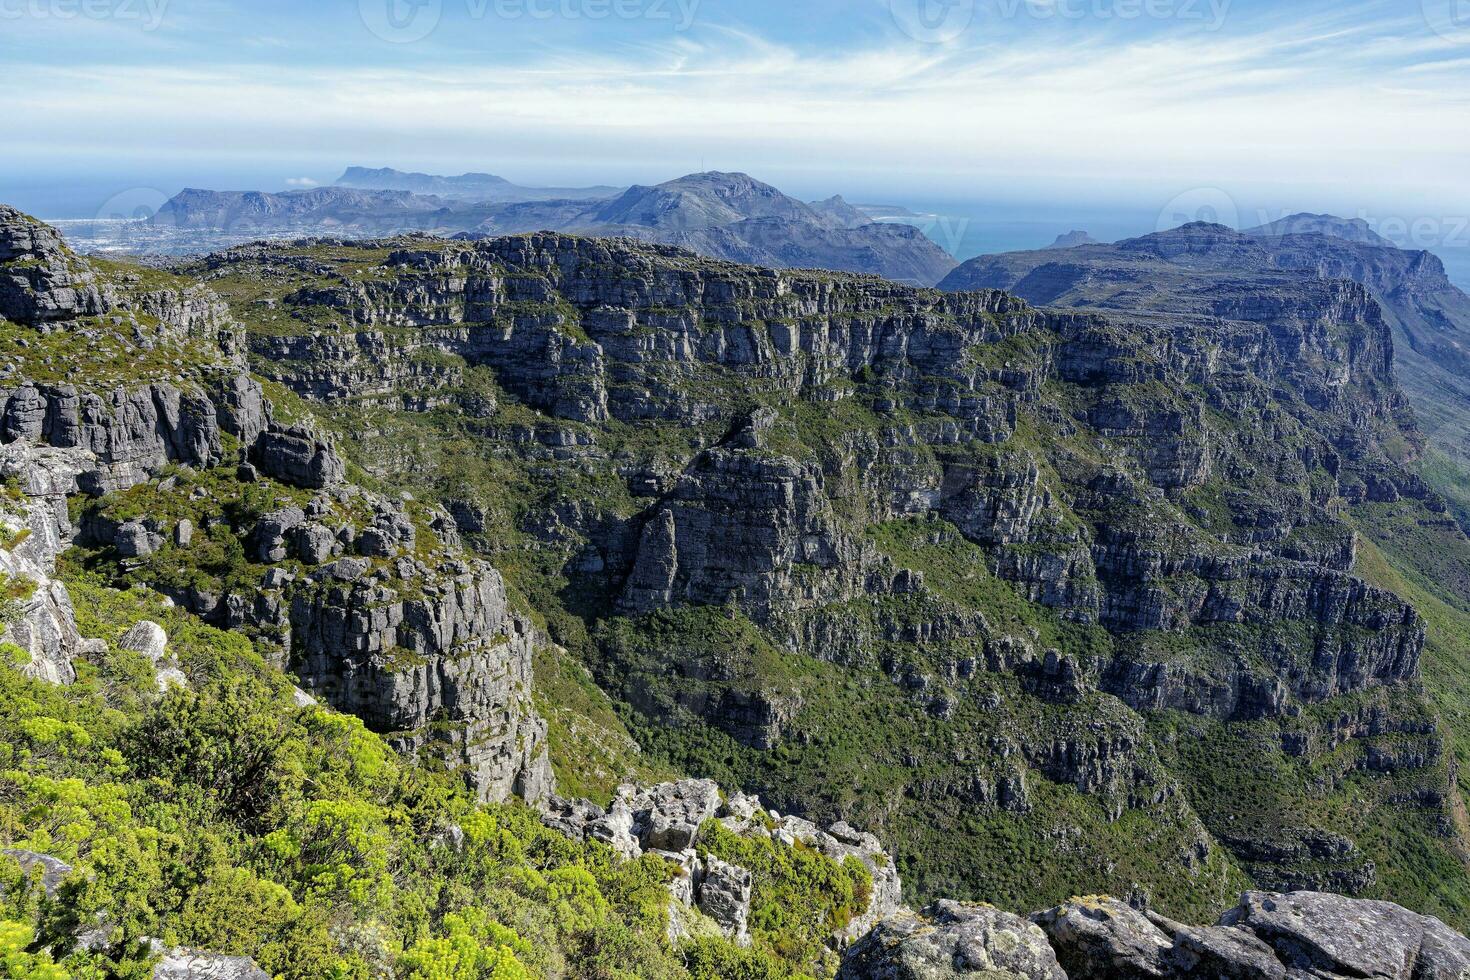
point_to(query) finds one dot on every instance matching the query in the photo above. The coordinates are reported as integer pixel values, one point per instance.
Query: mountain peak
(1073, 239)
(376, 176)
(702, 200)
(1305, 223)
(475, 186)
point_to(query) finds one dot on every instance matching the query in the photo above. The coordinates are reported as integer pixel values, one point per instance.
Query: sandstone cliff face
(656, 326)
(39, 617)
(1003, 520)
(40, 280)
(1204, 268)
(424, 647)
(371, 605)
(446, 674)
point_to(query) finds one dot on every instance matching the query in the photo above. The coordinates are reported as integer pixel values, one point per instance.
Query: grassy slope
(1429, 564)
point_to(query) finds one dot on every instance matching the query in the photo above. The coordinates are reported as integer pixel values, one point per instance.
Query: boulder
(1105, 938)
(724, 896)
(268, 539)
(299, 457)
(314, 543)
(1267, 937)
(615, 829)
(1330, 934)
(950, 939)
(135, 539)
(42, 867)
(146, 638)
(193, 964)
(669, 815)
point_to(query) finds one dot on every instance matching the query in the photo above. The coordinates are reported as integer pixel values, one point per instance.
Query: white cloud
(302, 182)
(1310, 102)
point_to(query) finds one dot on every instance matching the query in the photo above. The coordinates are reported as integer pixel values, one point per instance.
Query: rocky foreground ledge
(1267, 937)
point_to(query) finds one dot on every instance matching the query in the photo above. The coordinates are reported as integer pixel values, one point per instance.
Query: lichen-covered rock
(146, 638)
(1267, 937)
(193, 964)
(1337, 936)
(46, 871)
(36, 529)
(299, 457)
(724, 896)
(666, 819)
(948, 940)
(41, 281)
(668, 816)
(151, 641)
(1097, 938)
(446, 670)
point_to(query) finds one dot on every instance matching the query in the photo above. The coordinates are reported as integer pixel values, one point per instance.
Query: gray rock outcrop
(40, 279)
(950, 940)
(431, 657)
(40, 619)
(150, 640)
(193, 964)
(444, 670)
(666, 820)
(45, 870)
(723, 894)
(298, 456)
(146, 638)
(131, 434)
(1267, 937)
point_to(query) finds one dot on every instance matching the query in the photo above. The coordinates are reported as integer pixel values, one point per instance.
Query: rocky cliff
(986, 563)
(1052, 602)
(128, 410)
(1189, 269)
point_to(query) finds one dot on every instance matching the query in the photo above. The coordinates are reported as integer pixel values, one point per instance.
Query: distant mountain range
(321, 209)
(720, 215)
(466, 187)
(1189, 269)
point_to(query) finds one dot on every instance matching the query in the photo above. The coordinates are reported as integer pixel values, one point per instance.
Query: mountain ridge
(727, 216)
(1059, 602)
(472, 187)
(1170, 270)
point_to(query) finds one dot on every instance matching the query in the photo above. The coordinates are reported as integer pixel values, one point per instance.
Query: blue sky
(1361, 108)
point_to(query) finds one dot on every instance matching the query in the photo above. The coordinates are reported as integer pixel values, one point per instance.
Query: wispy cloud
(1332, 96)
